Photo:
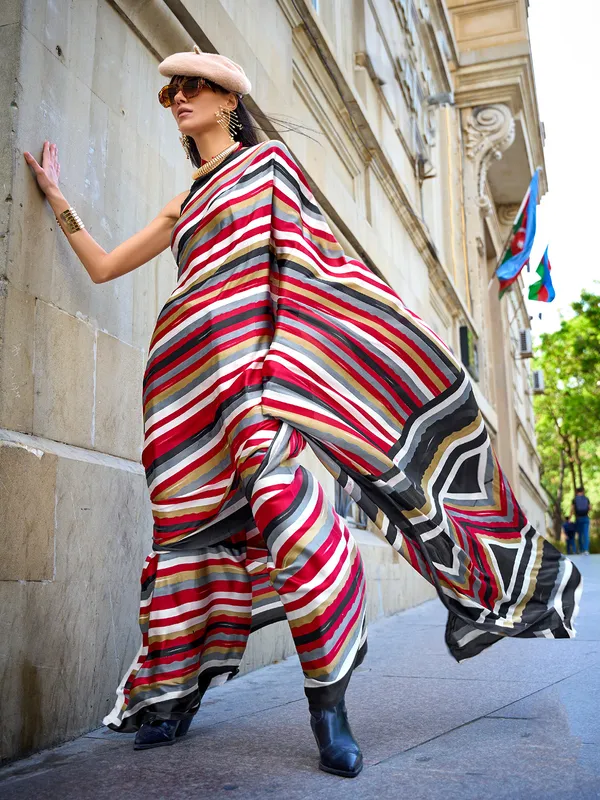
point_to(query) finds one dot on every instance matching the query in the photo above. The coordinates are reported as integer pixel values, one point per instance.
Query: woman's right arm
(140, 248)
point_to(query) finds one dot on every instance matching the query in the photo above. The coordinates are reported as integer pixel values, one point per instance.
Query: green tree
(568, 413)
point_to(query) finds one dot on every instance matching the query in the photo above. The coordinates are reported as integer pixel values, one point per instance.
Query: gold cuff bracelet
(71, 219)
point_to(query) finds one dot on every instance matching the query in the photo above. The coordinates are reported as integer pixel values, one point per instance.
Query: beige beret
(212, 66)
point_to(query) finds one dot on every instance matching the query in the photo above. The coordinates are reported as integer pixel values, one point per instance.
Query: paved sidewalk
(521, 720)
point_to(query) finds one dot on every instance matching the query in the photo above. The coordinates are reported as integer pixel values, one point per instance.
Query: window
(469, 351)
(348, 509)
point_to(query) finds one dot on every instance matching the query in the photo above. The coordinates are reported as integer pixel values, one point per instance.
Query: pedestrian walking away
(274, 340)
(581, 507)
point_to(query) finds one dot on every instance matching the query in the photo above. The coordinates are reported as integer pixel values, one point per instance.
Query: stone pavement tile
(252, 757)
(587, 623)
(573, 702)
(589, 759)
(418, 715)
(590, 632)
(422, 783)
(390, 715)
(429, 613)
(420, 651)
(270, 751)
(538, 758)
(268, 687)
(49, 760)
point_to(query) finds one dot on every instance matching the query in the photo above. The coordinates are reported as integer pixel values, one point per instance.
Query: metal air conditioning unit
(525, 343)
(537, 379)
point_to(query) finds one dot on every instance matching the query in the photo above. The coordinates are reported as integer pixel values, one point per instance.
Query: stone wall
(76, 522)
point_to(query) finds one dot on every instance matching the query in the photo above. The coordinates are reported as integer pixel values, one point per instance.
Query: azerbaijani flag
(543, 290)
(518, 250)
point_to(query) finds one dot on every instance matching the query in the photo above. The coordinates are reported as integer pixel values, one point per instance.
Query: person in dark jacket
(581, 509)
(569, 530)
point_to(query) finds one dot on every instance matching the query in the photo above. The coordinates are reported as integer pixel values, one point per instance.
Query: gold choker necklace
(214, 161)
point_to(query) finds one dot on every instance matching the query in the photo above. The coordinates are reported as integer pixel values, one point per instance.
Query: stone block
(58, 26)
(43, 262)
(10, 12)
(47, 94)
(111, 145)
(165, 281)
(118, 419)
(54, 103)
(63, 376)
(67, 642)
(118, 76)
(16, 375)
(268, 646)
(145, 310)
(49, 23)
(495, 23)
(9, 47)
(27, 491)
(108, 305)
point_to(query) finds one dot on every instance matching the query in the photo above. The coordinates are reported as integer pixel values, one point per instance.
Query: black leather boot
(339, 751)
(160, 732)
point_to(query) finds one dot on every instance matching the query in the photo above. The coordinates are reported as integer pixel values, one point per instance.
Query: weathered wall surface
(76, 523)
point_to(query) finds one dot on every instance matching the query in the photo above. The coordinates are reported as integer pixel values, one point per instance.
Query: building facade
(417, 125)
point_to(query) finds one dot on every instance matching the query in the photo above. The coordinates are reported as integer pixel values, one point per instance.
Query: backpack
(582, 505)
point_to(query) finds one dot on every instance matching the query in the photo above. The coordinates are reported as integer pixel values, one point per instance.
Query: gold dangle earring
(185, 141)
(229, 121)
(234, 123)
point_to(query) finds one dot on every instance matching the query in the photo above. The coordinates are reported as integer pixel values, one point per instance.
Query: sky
(566, 62)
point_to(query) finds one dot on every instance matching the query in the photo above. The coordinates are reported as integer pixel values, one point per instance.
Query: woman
(271, 340)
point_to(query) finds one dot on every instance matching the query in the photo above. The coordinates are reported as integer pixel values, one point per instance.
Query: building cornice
(509, 82)
(440, 61)
(443, 17)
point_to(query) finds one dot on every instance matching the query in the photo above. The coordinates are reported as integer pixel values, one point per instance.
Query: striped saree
(273, 340)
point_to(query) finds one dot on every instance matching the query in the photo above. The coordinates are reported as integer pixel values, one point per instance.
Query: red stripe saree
(272, 330)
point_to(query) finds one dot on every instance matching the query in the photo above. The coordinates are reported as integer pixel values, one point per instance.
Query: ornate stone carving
(490, 130)
(507, 213)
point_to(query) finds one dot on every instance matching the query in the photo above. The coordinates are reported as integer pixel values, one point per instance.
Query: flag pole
(506, 244)
(509, 237)
(510, 233)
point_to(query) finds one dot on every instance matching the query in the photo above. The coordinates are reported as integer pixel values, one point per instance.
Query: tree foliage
(568, 413)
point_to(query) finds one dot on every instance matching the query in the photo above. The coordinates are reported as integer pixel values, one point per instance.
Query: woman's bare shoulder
(173, 207)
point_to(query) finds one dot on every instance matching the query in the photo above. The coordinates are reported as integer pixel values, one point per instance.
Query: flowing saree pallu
(270, 319)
